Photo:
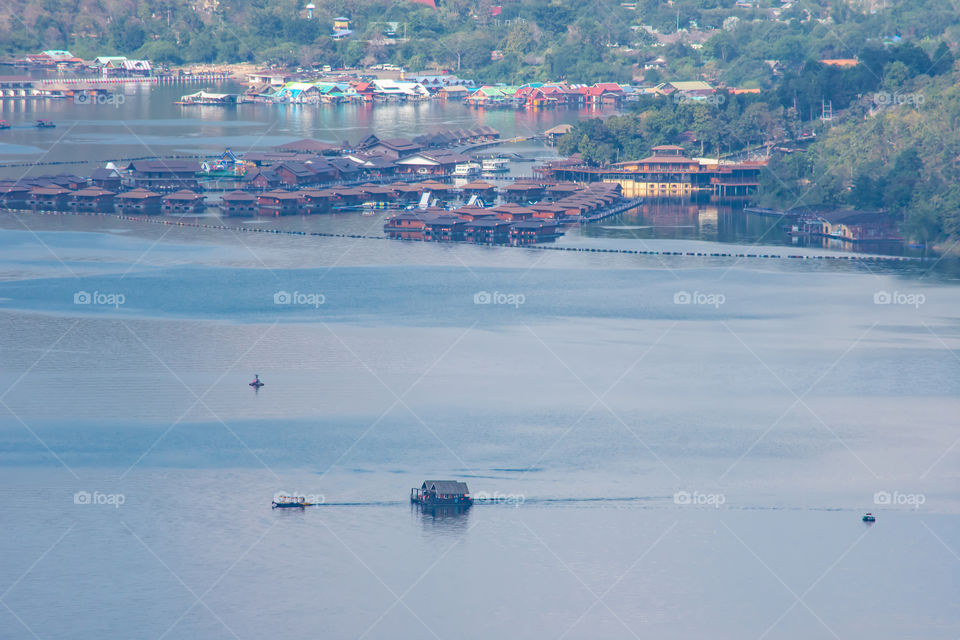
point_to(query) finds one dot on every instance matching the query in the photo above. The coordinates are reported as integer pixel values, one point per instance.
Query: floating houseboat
(205, 98)
(50, 197)
(93, 199)
(238, 203)
(278, 202)
(139, 200)
(447, 493)
(14, 196)
(183, 201)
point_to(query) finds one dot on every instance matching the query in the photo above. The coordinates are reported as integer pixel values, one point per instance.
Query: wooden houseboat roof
(183, 194)
(522, 186)
(138, 194)
(478, 185)
(238, 196)
(448, 487)
(49, 191)
(280, 194)
(93, 192)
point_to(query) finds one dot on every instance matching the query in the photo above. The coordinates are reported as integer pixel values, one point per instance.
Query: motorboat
(44, 124)
(291, 502)
(869, 518)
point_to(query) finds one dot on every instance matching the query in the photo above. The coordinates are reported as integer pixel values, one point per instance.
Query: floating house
(13, 196)
(206, 98)
(121, 66)
(487, 231)
(852, 226)
(183, 201)
(278, 202)
(399, 90)
(455, 92)
(268, 78)
(479, 188)
(92, 199)
(238, 203)
(532, 232)
(522, 191)
(442, 493)
(139, 200)
(313, 92)
(56, 58)
(50, 197)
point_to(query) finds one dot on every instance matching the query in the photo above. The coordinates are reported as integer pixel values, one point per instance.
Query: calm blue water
(588, 400)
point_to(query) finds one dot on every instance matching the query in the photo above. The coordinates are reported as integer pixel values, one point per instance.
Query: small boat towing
(869, 518)
(291, 502)
(44, 124)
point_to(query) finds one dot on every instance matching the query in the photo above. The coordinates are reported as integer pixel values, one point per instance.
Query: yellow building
(667, 173)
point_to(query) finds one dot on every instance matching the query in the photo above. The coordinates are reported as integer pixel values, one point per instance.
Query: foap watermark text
(99, 298)
(97, 498)
(698, 499)
(883, 98)
(898, 499)
(498, 297)
(99, 99)
(514, 499)
(899, 298)
(700, 298)
(299, 298)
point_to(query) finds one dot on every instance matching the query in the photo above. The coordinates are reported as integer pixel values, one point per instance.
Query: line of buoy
(200, 77)
(291, 232)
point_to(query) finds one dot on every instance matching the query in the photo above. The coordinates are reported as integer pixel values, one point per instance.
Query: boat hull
(439, 502)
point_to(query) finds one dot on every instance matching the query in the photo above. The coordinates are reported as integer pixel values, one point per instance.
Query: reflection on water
(675, 219)
(445, 519)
